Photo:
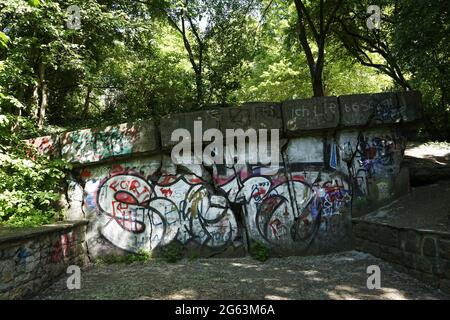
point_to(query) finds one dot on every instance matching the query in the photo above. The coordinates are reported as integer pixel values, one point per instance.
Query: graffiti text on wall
(138, 214)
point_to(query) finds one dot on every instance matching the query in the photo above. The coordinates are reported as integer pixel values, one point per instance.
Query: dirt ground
(428, 162)
(336, 276)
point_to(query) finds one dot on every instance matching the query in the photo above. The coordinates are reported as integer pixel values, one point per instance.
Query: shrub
(259, 251)
(172, 252)
(29, 183)
(194, 256)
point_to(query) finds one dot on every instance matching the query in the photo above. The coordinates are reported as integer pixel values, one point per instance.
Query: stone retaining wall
(31, 259)
(339, 156)
(423, 254)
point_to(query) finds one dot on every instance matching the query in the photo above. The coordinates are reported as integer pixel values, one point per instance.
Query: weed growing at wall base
(259, 251)
(172, 253)
(141, 256)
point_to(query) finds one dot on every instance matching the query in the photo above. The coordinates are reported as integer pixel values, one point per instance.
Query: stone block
(310, 114)
(144, 137)
(424, 264)
(367, 231)
(410, 103)
(46, 145)
(252, 116)
(7, 271)
(386, 236)
(444, 268)
(369, 109)
(210, 119)
(394, 254)
(429, 247)
(444, 248)
(444, 285)
(410, 241)
(95, 145)
(407, 259)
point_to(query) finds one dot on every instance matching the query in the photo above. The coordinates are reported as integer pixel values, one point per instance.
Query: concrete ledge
(369, 109)
(210, 120)
(256, 115)
(97, 145)
(8, 234)
(303, 117)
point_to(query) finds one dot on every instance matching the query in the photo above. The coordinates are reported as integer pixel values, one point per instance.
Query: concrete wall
(424, 254)
(339, 156)
(31, 259)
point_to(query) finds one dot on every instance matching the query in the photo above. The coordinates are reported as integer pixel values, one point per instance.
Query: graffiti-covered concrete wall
(338, 157)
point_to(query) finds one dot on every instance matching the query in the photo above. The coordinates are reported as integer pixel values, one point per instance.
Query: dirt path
(337, 276)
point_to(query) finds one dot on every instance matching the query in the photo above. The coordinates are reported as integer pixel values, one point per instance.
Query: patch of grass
(194, 256)
(141, 256)
(259, 251)
(173, 252)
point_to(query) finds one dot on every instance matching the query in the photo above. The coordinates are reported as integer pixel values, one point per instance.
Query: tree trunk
(35, 103)
(317, 85)
(199, 86)
(87, 102)
(44, 96)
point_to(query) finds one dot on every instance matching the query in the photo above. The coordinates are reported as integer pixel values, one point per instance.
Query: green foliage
(173, 252)
(194, 256)
(259, 251)
(3, 39)
(141, 256)
(421, 41)
(29, 183)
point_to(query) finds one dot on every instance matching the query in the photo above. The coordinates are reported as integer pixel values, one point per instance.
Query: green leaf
(3, 39)
(34, 3)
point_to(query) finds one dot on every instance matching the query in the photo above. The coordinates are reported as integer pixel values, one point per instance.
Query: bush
(259, 251)
(172, 252)
(194, 256)
(29, 183)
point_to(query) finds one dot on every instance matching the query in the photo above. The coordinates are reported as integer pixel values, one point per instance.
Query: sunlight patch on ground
(274, 297)
(242, 265)
(184, 294)
(392, 294)
(344, 292)
(429, 149)
(284, 289)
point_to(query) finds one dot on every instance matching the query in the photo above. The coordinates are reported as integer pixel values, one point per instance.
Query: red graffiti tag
(64, 247)
(166, 192)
